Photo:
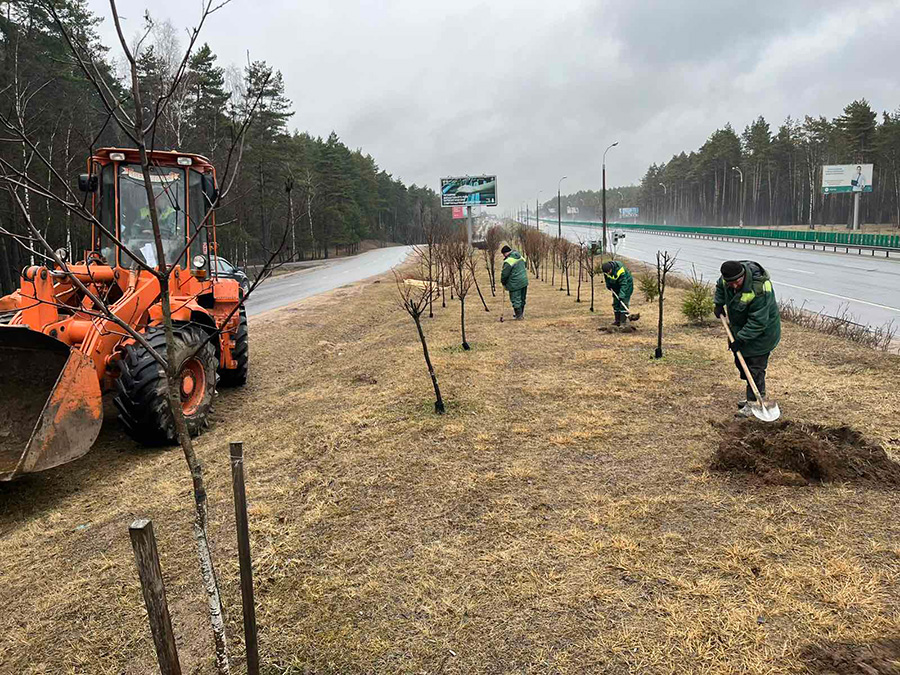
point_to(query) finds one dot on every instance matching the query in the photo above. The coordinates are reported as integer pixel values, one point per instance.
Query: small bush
(647, 284)
(698, 300)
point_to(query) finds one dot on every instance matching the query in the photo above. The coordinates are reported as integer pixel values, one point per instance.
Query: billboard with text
(629, 212)
(469, 191)
(847, 178)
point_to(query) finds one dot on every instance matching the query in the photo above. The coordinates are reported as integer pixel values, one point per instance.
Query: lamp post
(604, 193)
(665, 194)
(537, 210)
(738, 169)
(558, 209)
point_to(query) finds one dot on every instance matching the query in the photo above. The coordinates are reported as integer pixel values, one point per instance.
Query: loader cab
(183, 189)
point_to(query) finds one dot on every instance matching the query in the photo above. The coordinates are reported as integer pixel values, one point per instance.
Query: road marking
(840, 297)
(794, 269)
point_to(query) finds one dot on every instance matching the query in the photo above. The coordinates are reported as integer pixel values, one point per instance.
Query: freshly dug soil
(790, 453)
(877, 658)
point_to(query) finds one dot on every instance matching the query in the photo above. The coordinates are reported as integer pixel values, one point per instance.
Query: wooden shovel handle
(743, 363)
(627, 311)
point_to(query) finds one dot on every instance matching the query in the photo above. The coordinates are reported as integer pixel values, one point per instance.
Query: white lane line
(794, 269)
(840, 297)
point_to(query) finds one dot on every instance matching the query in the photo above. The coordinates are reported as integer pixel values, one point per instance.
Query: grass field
(560, 518)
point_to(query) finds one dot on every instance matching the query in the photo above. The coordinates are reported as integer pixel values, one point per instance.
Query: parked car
(228, 271)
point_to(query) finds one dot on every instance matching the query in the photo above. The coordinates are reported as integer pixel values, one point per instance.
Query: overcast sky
(534, 90)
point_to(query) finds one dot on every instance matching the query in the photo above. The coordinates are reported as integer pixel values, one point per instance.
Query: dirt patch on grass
(877, 658)
(792, 453)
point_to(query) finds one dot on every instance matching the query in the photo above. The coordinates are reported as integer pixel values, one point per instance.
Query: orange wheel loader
(59, 353)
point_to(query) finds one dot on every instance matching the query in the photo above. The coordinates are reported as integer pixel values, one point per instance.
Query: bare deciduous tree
(665, 262)
(415, 295)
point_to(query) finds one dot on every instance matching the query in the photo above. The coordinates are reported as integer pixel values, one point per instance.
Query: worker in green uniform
(515, 280)
(746, 291)
(619, 280)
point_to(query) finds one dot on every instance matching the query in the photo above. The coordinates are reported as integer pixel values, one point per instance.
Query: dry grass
(558, 519)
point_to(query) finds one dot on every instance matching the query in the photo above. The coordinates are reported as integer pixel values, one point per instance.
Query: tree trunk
(462, 322)
(438, 401)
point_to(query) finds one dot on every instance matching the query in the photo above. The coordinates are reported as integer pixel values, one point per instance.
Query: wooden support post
(146, 555)
(243, 537)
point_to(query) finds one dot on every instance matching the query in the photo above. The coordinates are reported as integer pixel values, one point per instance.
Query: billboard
(846, 178)
(572, 210)
(458, 212)
(469, 191)
(629, 212)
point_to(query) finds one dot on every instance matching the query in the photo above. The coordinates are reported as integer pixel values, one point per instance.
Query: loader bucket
(51, 408)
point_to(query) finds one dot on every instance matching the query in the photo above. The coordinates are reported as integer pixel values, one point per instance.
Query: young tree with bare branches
(665, 263)
(459, 257)
(169, 240)
(415, 295)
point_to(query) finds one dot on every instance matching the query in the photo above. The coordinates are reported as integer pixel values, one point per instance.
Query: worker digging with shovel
(745, 303)
(619, 280)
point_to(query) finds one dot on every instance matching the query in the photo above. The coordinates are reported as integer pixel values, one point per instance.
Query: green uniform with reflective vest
(621, 283)
(755, 321)
(514, 278)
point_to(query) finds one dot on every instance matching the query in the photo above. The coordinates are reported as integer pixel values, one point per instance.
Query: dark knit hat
(505, 250)
(732, 270)
(608, 267)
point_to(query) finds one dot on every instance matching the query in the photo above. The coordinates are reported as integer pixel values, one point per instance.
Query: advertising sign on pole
(458, 212)
(629, 212)
(847, 178)
(469, 191)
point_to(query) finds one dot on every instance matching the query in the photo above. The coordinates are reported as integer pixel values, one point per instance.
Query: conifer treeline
(337, 196)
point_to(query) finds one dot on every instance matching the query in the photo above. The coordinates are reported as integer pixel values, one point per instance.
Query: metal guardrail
(787, 243)
(839, 242)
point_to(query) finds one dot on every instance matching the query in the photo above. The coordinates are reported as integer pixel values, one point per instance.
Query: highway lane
(825, 282)
(289, 288)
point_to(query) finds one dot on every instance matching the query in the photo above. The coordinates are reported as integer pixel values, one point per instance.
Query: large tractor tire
(241, 353)
(141, 388)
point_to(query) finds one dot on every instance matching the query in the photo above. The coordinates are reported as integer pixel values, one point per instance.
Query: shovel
(632, 317)
(767, 412)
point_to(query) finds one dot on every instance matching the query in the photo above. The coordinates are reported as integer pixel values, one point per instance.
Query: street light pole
(604, 193)
(738, 169)
(537, 210)
(558, 209)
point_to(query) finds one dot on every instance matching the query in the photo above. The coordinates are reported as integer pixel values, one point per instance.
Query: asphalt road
(825, 282)
(289, 288)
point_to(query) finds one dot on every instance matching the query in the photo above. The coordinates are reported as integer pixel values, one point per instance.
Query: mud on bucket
(51, 408)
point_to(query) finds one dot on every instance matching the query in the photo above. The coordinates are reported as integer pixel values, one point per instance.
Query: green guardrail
(891, 241)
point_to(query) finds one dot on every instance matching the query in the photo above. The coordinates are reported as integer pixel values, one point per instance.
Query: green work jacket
(515, 272)
(752, 310)
(620, 281)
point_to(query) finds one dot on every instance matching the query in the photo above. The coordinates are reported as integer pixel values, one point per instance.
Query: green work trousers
(517, 298)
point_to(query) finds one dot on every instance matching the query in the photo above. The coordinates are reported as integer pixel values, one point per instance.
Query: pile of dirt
(877, 658)
(790, 453)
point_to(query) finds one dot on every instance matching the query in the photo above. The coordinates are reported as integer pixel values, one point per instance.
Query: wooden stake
(146, 555)
(243, 537)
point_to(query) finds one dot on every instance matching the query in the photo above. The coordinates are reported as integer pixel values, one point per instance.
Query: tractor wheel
(141, 388)
(241, 353)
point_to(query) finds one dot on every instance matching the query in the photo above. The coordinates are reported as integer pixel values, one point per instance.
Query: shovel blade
(51, 408)
(767, 411)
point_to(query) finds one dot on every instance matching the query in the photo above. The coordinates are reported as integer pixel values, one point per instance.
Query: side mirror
(87, 182)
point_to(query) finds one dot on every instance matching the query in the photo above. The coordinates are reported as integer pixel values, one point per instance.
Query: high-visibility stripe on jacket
(514, 276)
(752, 310)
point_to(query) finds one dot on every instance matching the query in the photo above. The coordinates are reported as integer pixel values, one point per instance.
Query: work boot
(518, 314)
(618, 321)
(742, 403)
(624, 325)
(744, 412)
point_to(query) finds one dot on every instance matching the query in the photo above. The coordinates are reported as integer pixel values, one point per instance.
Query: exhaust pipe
(51, 408)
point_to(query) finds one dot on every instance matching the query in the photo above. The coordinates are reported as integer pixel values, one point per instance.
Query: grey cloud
(534, 90)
